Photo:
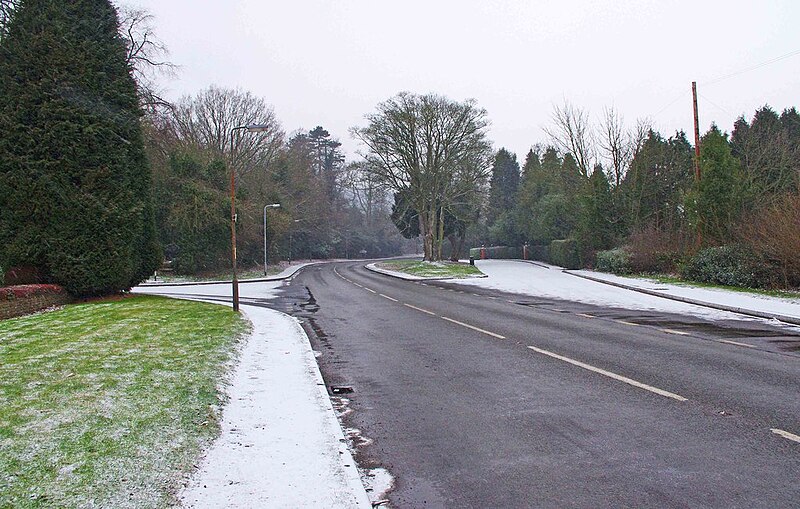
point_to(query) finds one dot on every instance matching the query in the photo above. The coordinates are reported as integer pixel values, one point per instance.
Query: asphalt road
(483, 399)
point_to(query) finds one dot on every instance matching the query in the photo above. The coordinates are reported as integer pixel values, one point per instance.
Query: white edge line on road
(609, 374)
(786, 434)
(468, 326)
(419, 309)
(387, 297)
(623, 322)
(735, 343)
(673, 331)
(585, 315)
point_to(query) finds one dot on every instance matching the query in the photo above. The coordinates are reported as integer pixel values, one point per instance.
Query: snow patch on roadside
(379, 482)
(536, 281)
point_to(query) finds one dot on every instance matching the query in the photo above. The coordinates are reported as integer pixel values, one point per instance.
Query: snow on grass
(441, 269)
(107, 404)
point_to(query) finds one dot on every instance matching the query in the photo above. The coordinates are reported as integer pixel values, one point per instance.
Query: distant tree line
(328, 208)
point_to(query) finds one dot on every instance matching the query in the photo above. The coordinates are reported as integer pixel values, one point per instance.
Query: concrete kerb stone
(722, 307)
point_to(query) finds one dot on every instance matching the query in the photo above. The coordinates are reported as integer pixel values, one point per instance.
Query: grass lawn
(225, 275)
(432, 269)
(109, 403)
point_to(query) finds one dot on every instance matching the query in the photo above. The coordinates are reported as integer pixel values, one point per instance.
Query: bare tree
(614, 144)
(207, 119)
(147, 55)
(618, 145)
(432, 148)
(365, 190)
(572, 132)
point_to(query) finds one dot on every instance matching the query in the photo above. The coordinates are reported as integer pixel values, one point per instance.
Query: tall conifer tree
(74, 181)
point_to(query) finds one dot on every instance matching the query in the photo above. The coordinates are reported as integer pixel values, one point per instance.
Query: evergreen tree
(655, 187)
(193, 210)
(550, 197)
(503, 185)
(595, 229)
(714, 201)
(767, 150)
(75, 187)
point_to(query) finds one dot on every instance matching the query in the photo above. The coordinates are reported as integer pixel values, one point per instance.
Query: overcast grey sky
(330, 62)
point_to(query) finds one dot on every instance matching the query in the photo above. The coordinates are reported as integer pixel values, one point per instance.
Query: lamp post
(271, 206)
(250, 128)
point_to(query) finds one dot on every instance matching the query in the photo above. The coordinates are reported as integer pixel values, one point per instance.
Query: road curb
(722, 307)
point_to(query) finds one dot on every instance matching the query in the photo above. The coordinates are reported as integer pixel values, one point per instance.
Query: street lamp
(272, 206)
(250, 128)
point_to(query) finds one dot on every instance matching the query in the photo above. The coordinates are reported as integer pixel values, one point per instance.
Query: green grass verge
(109, 403)
(432, 269)
(683, 282)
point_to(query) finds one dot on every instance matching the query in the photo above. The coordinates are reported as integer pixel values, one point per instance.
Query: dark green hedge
(564, 253)
(727, 265)
(616, 261)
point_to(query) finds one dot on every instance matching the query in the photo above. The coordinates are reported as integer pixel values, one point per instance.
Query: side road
(281, 444)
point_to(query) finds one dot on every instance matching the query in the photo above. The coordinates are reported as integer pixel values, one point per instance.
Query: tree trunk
(440, 236)
(454, 248)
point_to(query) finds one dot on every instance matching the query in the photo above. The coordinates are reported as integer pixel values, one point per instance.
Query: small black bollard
(472, 260)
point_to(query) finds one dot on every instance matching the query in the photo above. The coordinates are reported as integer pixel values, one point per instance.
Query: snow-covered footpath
(281, 444)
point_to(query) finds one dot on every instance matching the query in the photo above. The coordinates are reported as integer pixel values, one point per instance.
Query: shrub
(564, 253)
(730, 265)
(539, 252)
(654, 250)
(773, 233)
(616, 261)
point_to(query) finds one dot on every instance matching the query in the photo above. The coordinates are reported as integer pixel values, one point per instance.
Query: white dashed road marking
(786, 434)
(498, 336)
(609, 374)
(419, 309)
(735, 343)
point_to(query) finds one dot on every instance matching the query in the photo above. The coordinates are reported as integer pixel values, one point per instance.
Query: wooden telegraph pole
(697, 157)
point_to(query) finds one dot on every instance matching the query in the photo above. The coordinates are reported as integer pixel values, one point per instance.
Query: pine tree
(75, 186)
(595, 227)
(715, 199)
(503, 185)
